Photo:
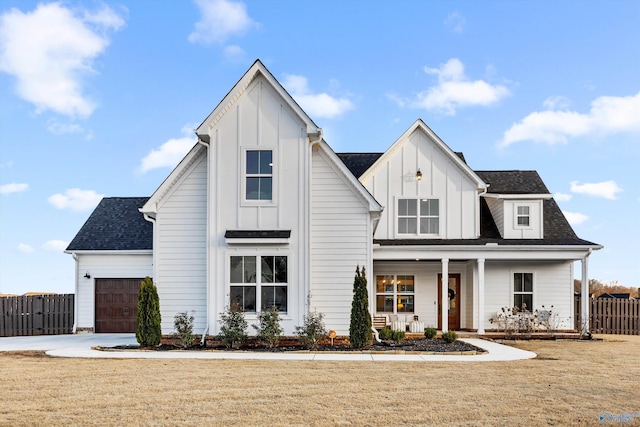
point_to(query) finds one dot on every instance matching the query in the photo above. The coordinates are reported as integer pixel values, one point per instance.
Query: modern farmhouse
(262, 212)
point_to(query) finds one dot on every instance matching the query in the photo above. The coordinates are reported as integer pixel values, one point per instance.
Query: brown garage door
(116, 305)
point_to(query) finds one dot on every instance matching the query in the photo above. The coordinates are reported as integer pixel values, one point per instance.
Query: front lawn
(570, 383)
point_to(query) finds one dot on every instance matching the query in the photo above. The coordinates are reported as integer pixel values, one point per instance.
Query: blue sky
(101, 99)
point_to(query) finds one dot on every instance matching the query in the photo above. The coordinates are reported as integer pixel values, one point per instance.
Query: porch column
(444, 303)
(481, 296)
(584, 300)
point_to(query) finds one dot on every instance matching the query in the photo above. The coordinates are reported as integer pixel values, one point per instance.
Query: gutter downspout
(75, 297)
(207, 254)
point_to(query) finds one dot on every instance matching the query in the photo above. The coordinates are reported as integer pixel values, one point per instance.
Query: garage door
(116, 305)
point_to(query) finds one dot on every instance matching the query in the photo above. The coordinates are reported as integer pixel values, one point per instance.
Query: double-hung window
(522, 216)
(258, 282)
(419, 216)
(259, 175)
(395, 293)
(523, 290)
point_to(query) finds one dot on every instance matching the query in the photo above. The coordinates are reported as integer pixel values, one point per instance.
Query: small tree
(360, 334)
(268, 327)
(312, 331)
(234, 326)
(183, 324)
(148, 331)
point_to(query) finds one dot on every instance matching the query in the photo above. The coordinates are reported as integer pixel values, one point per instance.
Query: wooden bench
(379, 322)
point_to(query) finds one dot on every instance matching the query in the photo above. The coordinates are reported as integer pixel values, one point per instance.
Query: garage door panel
(116, 305)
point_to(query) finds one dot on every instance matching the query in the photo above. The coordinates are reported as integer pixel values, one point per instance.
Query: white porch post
(444, 302)
(584, 300)
(481, 296)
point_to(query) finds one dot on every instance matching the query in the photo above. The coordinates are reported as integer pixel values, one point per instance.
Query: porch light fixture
(418, 175)
(87, 275)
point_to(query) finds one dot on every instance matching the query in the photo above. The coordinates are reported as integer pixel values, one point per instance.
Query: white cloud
(454, 90)
(76, 199)
(455, 22)
(13, 188)
(24, 248)
(50, 49)
(555, 102)
(608, 115)
(220, 19)
(315, 104)
(170, 153)
(55, 245)
(562, 197)
(575, 218)
(606, 189)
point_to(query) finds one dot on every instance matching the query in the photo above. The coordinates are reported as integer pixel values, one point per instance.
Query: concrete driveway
(55, 342)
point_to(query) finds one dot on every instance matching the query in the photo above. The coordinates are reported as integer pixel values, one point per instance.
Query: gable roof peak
(256, 69)
(456, 158)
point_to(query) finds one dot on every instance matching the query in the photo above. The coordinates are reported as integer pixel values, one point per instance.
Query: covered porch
(471, 286)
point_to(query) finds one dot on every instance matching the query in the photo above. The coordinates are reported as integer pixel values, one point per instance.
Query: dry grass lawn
(570, 383)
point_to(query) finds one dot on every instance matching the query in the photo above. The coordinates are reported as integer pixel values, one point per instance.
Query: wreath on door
(452, 294)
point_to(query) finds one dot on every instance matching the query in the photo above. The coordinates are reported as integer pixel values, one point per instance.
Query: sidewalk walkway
(80, 346)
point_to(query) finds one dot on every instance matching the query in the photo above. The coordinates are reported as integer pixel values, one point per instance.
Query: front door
(454, 301)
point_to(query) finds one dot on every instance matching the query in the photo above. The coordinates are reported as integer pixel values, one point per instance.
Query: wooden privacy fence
(36, 315)
(610, 316)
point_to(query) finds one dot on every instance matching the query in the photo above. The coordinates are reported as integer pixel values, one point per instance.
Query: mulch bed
(435, 345)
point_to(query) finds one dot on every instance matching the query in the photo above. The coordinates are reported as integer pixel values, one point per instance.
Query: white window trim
(512, 293)
(395, 293)
(417, 234)
(258, 284)
(274, 176)
(516, 216)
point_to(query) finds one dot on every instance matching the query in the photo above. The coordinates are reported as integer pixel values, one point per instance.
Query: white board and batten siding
(106, 266)
(259, 119)
(395, 178)
(181, 229)
(552, 285)
(340, 241)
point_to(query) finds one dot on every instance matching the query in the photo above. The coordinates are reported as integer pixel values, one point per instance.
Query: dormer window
(259, 175)
(419, 216)
(522, 216)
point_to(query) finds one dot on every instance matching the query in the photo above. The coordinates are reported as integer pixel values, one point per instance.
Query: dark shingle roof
(358, 163)
(115, 224)
(513, 182)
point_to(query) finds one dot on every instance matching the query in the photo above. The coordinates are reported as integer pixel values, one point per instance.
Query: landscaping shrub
(234, 326)
(360, 334)
(430, 332)
(268, 327)
(449, 336)
(312, 331)
(385, 333)
(148, 331)
(183, 324)
(397, 336)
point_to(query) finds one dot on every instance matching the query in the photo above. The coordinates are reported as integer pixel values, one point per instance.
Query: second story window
(259, 175)
(419, 216)
(522, 216)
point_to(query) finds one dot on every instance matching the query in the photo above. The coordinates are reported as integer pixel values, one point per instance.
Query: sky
(101, 99)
